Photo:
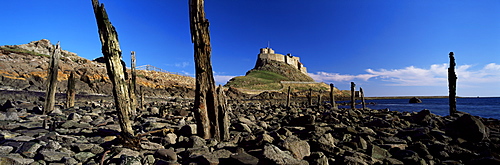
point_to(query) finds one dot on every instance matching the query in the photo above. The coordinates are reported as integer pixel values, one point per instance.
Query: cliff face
(24, 67)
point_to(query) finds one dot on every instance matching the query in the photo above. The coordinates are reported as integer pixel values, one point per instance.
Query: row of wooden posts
(332, 97)
(210, 104)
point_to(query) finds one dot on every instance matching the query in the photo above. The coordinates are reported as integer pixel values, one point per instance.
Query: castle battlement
(268, 54)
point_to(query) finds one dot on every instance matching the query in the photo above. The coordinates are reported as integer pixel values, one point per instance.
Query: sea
(486, 107)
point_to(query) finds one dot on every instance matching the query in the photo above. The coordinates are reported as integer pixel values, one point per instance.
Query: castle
(268, 54)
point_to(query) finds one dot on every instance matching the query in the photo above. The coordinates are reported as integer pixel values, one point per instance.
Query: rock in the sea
(415, 100)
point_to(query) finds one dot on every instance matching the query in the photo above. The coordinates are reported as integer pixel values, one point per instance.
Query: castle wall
(268, 53)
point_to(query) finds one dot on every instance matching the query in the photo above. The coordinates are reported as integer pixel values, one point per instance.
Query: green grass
(24, 51)
(259, 80)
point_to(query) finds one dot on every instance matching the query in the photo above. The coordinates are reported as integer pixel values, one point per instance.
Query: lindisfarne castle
(268, 54)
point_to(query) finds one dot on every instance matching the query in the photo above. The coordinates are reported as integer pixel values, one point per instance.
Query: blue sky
(389, 47)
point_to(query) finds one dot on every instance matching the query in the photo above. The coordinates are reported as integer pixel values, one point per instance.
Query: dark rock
(325, 143)
(166, 154)
(415, 100)
(274, 155)
(29, 149)
(188, 130)
(467, 127)
(378, 153)
(298, 148)
(317, 158)
(53, 156)
(241, 157)
(83, 156)
(196, 142)
(130, 160)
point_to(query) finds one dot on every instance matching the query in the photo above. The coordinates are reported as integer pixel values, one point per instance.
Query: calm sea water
(487, 107)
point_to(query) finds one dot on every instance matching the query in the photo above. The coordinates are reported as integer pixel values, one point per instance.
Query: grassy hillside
(258, 80)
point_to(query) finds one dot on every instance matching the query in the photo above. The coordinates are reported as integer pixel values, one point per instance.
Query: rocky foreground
(261, 133)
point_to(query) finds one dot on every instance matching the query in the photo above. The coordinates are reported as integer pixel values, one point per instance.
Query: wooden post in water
(362, 94)
(319, 98)
(133, 83)
(452, 85)
(353, 97)
(52, 81)
(224, 121)
(332, 96)
(309, 97)
(288, 97)
(70, 93)
(116, 72)
(205, 104)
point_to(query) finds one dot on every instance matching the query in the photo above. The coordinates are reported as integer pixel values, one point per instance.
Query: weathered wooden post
(116, 71)
(52, 80)
(133, 83)
(142, 98)
(452, 85)
(319, 98)
(332, 96)
(353, 97)
(362, 94)
(288, 97)
(205, 104)
(224, 121)
(70, 93)
(309, 97)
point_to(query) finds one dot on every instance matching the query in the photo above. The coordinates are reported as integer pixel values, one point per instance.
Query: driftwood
(70, 93)
(206, 103)
(332, 97)
(116, 72)
(353, 97)
(452, 85)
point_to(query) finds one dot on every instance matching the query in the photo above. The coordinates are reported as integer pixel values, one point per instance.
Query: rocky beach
(261, 131)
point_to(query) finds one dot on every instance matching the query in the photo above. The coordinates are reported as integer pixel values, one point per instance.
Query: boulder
(298, 148)
(467, 127)
(415, 100)
(275, 155)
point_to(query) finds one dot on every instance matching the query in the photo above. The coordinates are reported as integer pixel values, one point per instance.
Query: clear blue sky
(388, 47)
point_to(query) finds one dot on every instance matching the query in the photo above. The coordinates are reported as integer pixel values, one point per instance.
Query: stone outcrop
(24, 67)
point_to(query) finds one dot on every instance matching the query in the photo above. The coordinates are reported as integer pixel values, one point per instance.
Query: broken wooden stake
(332, 96)
(70, 93)
(116, 72)
(452, 85)
(362, 95)
(353, 97)
(52, 80)
(288, 97)
(205, 104)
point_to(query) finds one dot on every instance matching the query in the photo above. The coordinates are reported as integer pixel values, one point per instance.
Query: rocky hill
(24, 67)
(271, 73)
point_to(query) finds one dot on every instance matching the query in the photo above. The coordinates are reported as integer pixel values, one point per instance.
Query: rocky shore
(261, 133)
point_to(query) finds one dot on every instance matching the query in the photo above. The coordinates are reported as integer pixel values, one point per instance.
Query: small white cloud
(328, 77)
(179, 65)
(222, 79)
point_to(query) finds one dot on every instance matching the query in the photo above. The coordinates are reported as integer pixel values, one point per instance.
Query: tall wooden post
(205, 104)
(142, 97)
(332, 96)
(319, 97)
(362, 94)
(224, 121)
(353, 95)
(70, 93)
(52, 81)
(452, 85)
(288, 97)
(133, 83)
(309, 97)
(116, 71)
